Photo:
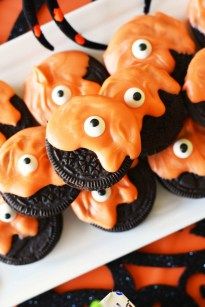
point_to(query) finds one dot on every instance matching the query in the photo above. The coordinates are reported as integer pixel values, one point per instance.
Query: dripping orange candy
(140, 40)
(23, 183)
(181, 166)
(145, 80)
(60, 77)
(122, 206)
(108, 132)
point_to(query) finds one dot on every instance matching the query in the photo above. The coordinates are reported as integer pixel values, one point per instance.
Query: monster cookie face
(98, 124)
(12, 224)
(100, 207)
(138, 88)
(26, 239)
(181, 166)
(140, 40)
(28, 181)
(57, 79)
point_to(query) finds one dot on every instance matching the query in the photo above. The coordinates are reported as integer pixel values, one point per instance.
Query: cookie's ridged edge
(53, 240)
(85, 184)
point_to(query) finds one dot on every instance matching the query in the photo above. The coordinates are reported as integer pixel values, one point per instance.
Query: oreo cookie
(24, 239)
(154, 97)
(140, 41)
(15, 115)
(60, 77)
(181, 168)
(28, 182)
(95, 144)
(194, 94)
(122, 206)
(158, 133)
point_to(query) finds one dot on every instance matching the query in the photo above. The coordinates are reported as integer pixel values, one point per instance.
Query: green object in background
(95, 303)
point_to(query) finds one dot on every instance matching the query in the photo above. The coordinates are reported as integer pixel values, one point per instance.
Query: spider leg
(147, 6)
(30, 15)
(68, 30)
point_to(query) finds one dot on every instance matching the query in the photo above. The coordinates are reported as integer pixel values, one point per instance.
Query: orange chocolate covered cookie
(154, 98)
(28, 181)
(181, 166)
(95, 143)
(60, 77)
(25, 239)
(122, 206)
(153, 39)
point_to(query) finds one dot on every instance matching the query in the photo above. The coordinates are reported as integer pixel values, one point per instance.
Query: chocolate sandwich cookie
(122, 206)
(28, 182)
(60, 77)
(152, 39)
(14, 115)
(24, 239)
(181, 167)
(95, 143)
(194, 88)
(196, 15)
(154, 98)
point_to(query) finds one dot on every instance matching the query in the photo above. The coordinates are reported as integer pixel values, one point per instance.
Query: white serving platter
(83, 247)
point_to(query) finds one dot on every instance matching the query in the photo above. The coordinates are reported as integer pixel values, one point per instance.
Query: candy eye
(94, 126)
(141, 49)
(101, 195)
(134, 97)
(183, 148)
(61, 94)
(7, 215)
(27, 164)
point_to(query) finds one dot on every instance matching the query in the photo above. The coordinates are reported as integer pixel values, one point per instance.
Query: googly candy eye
(7, 215)
(27, 164)
(134, 97)
(61, 94)
(94, 126)
(183, 148)
(141, 49)
(101, 195)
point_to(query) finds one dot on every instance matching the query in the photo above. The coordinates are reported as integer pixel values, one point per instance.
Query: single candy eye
(183, 148)
(134, 97)
(27, 164)
(61, 94)
(94, 126)
(101, 195)
(7, 215)
(141, 49)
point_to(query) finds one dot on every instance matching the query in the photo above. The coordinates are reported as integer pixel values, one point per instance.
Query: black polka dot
(94, 122)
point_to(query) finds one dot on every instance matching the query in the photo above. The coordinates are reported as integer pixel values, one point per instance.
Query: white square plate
(83, 247)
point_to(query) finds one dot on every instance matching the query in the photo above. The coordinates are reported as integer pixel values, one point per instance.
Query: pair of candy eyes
(134, 96)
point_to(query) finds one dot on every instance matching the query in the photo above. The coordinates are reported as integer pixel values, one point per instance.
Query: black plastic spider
(30, 13)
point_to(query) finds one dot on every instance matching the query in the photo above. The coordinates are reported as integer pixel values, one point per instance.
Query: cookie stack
(94, 140)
